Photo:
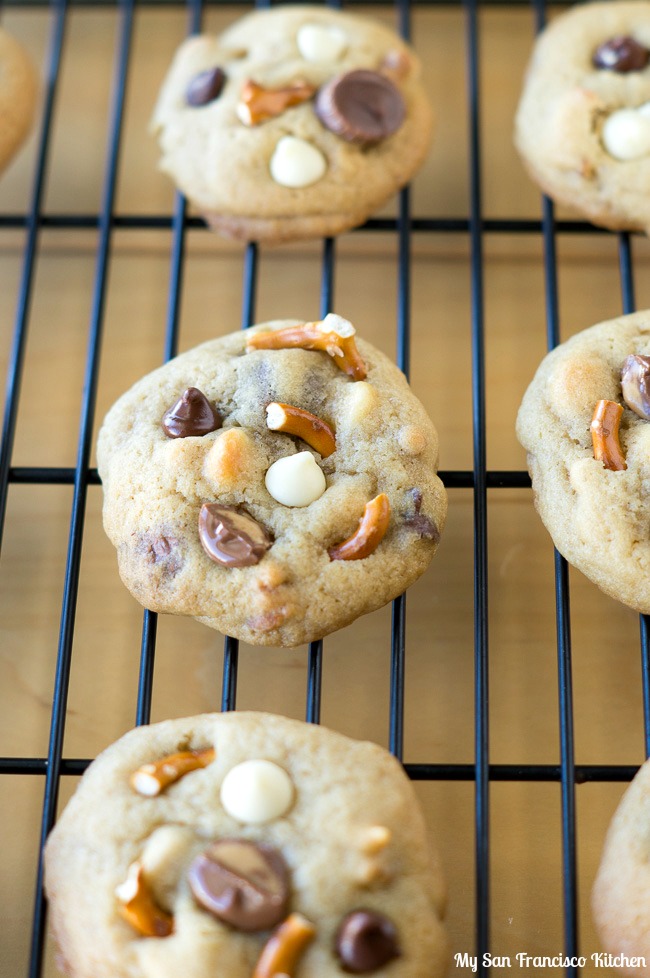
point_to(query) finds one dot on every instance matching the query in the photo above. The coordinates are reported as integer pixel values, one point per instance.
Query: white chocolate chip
(319, 43)
(296, 163)
(626, 133)
(257, 791)
(295, 480)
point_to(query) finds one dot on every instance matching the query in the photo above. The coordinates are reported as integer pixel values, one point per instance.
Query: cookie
(249, 846)
(621, 891)
(585, 423)
(18, 89)
(296, 122)
(275, 483)
(583, 122)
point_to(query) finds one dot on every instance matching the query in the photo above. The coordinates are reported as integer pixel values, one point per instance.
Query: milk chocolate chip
(365, 941)
(205, 87)
(361, 106)
(243, 884)
(231, 537)
(635, 384)
(621, 54)
(192, 414)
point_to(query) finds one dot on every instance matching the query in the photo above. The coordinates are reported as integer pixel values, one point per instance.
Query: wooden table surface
(525, 816)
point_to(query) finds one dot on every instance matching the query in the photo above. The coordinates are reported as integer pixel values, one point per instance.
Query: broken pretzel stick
(334, 335)
(138, 908)
(294, 421)
(151, 779)
(284, 947)
(369, 533)
(257, 104)
(604, 435)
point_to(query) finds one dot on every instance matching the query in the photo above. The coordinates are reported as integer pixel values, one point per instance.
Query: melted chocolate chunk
(365, 941)
(205, 87)
(242, 883)
(231, 537)
(192, 414)
(425, 528)
(361, 106)
(161, 551)
(635, 384)
(416, 495)
(621, 54)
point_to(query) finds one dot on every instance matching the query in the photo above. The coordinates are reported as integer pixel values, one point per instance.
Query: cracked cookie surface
(582, 126)
(597, 516)
(285, 584)
(312, 164)
(286, 822)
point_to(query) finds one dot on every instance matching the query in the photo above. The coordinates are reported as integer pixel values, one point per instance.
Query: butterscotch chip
(412, 439)
(227, 527)
(233, 458)
(589, 456)
(256, 864)
(361, 402)
(269, 158)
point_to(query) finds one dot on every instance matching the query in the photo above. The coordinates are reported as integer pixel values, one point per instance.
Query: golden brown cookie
(621, 892)
(296, 122)
(275, 483)
(583, 122)
(585, 423)
(18, 88)
(244, 845)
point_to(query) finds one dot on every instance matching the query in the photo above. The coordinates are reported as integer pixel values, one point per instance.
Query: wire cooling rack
(480, 480)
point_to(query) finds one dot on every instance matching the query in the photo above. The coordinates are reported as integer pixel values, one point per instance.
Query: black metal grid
(482, 772)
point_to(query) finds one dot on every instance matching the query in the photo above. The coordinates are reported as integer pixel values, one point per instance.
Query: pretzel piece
(138, 908)
(334, 335)
(369, 533)
(282, 951)
(604, 435)
(257, 104)
(294, 421)
(151, 779)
